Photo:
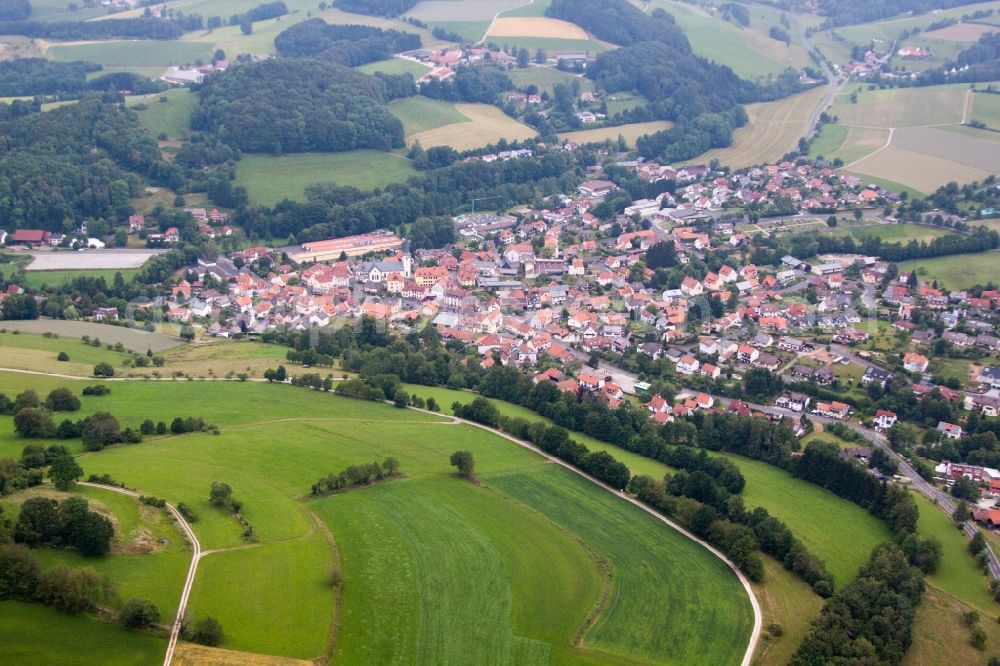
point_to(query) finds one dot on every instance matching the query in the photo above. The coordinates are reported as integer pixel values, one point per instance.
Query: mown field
(461, 126)
(773, 130)
(131, 338)
(38, 279)
(435, 569)
(957, 271)
(168, 112)
(139, 53)
(395, 66)
(270, 179)
(629, 132)
(894, 233)
(748, 51)
(546, 78)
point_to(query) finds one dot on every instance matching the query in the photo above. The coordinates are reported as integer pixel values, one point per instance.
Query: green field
(546, 78)
(168, 112)
(419, 114)
(553, 46)
(894, 233)
(429, 561)
(270, 179)
(140, 53)
(958, 271)
(395, 66)
(38, 279)
(35, 634)
(469, 31)
(957, 574)
(986, 108)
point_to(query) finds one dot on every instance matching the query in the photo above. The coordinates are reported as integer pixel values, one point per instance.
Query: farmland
(124, 54)
(535, 27)
(957, 271)
(630, 132)
(89, 260)
(36, 279)
(395, 66)
(901, 107)
(546, 78)
(774, 129)
(419, 114)
(270, 179)
(483, 125)
(403, 602)
(895, 233)
(131, 338)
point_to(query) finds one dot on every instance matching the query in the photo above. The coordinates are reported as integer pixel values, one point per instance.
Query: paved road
(196, 555)
(832, 88)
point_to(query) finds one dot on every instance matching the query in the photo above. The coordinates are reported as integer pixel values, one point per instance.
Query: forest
(37, 76)
(388, 8)
(291, 105)
(131, 28)
(470, 84)
(80, 160)
(349, 45)
(14, 10)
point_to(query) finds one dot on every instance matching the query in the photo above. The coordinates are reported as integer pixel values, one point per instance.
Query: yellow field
(486, 125)
(860, 141)
(773, 130)
(535, 26)
(921, 172)
(630, 132)
(189, 654)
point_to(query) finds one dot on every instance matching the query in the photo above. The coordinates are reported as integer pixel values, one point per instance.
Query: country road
(833, 88)
(196, 556)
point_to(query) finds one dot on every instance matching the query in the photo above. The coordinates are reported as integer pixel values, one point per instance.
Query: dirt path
(497, 15)
(196, 556)
(888, 142)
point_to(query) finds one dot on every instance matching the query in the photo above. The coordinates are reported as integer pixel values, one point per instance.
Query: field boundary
(497, 15)
(757, 615)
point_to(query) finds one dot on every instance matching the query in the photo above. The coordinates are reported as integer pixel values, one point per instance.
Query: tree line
(131, 28)
(389, 8)
(356, 475)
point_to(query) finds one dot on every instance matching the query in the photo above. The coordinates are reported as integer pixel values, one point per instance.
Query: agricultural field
(986, 108)
(110, 259)
(546, 79)
(940, 637)
(885, 32)
(850, 144)
(131, 338)
(270, 179)
(137, 53)
(483, 125)
(553, 45)
(774, 129)
(958, 271)
(630, 132)
(168, 112)
(36, 279)
(535, 27)
(419, 114)
(749, 51)
(788, 601)
(395, 66)
(894, 233)
(398, 603)
(901, 107)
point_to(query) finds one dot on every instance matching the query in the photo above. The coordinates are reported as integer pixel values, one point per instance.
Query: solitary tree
(138, 614)
(465, 463)
(64, 471)
(207, 632)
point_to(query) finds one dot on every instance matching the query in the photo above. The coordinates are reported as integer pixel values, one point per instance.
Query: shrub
(138, 614)
(104, 370)
(207, 632)
(187, 512)
(97, 389)
(62, 400)
(63, 356)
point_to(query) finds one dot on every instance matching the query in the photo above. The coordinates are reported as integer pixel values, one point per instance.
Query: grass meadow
(172, 117)
(464, 559)
(480, 125)
(958, 271)
(270, 179)
(629, 132)
(395, 66)
(138, 53)
(420, 114)
(546, 78)
(38, 279)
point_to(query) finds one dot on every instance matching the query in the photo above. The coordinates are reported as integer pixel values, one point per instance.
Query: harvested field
(131, 338)
(536, 27)
(960, 32)
(486, 124)
(462, 10)
(961, 149)
(189, 654)
(90, 260)
(631, 132)
(773, 130)
(924, 173)
(860, 141)
(902, 107)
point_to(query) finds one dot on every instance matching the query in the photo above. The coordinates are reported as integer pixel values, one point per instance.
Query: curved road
(757, 615)
(196, 555)
(834, 86)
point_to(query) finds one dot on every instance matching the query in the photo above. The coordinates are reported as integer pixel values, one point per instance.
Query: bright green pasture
(957, 271)
(137, 53)
(36, 634)
(272, 599)
(172, 117)
(270, 179)
(38, 279)
(29, 351)
(419, 114)
(828, 140)
(957, 574)
(441, 571)
(841, 533)
(469, 31)
(894, 233)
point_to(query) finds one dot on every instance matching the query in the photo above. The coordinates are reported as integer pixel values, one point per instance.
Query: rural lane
(834, 86)
(196, 555)
(757, 615)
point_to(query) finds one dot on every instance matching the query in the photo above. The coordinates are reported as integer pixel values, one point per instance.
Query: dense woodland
(349, 45)
(131, 28)
(470, 84)
(388, 8)
(14, 10)
(38, 76)
(297, 105)
(82, 160)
